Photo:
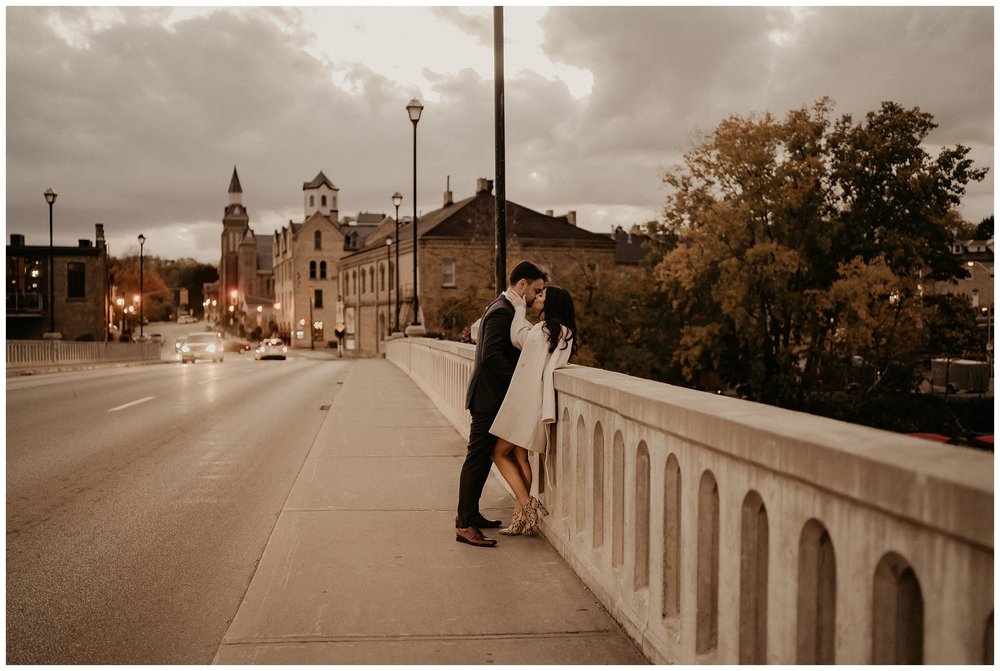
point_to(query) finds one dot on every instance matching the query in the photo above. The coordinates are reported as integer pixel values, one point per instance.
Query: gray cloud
(138, 122)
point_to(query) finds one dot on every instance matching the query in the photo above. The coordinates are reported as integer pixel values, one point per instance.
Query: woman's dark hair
(526, 270)
(558, 312)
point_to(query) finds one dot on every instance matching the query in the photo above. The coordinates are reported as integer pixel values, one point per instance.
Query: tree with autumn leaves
(788, 245)
(790, 251)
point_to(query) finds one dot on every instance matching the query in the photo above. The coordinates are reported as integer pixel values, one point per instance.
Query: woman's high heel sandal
(518, 523)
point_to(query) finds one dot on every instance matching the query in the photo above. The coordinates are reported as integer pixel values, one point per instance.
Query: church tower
(234, 223)
(319, 195)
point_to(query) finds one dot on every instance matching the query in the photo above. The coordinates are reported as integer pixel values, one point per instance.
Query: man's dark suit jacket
(496, 358)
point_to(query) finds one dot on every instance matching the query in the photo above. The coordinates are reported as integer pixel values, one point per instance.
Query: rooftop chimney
(85, 243)
(99, 236)
(571, 217)
(549, 213)
(448, 197)
(484, 185)
(16, 240)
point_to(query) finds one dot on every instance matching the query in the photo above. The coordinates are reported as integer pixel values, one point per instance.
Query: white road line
(128, 405)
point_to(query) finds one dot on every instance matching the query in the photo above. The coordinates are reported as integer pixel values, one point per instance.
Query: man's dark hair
(526, 270)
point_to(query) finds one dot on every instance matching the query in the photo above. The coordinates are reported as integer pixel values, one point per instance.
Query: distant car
(196, 346)
(237, 345)
(157, 338)
(271, 348)
(186, 319)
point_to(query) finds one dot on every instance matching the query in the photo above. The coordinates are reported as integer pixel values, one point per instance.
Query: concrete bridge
(720, 531)
(685, 528)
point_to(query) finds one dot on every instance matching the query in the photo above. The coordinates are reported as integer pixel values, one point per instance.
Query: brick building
(82, 301)
(455, 262)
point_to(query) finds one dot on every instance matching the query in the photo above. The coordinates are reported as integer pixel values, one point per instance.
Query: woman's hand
(516, 299)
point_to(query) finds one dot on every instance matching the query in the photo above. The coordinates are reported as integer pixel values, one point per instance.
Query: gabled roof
(319, 181)
(234, 183)
(472, 217)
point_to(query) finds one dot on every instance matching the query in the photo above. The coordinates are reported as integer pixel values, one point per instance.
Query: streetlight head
(388, 242)
(50, 195)
(233, 293)
(970, 263)
(142, 239)
(414, 108)
(397, 198)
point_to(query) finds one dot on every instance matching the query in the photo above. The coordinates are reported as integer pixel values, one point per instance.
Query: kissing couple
(511, 398)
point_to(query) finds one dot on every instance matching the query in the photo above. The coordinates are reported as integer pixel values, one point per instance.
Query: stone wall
(720, 531)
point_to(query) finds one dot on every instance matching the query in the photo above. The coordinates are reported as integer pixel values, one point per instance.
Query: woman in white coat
(530, 403)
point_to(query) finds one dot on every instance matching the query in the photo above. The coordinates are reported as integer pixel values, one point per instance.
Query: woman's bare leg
(511, 472)
(521, 455)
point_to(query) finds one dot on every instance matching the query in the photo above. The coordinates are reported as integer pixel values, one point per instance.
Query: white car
(187, 319)
(196, 346)
(271, 348)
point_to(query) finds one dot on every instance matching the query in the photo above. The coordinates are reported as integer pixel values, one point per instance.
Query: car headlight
(210, 348)
(185, 348)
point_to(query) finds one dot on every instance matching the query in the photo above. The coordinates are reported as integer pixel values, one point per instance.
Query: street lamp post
(414, 108)
(989, 313)
(388, 281)
(397, 198)
(312, 332)
(142, 241)
(50, 198)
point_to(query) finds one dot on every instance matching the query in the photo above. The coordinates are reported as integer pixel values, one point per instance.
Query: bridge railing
(41, 353)
(722, 531)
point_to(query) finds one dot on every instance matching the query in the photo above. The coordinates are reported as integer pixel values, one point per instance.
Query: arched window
(898, 617)
(817, 601)
(753, 581)
(598, 486)
(322, 201)
(381, 277)
(641, 572)
(579, 486)
(322, 270)
(354, 280)
(364, 283)
(672, 538)
(312, 270)
(617, 500)
(371, 278)
(707, 623)
(318, 237)
(312, 201)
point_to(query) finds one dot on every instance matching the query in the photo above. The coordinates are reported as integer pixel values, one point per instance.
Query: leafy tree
(156, 295)
(789, 244)
(985, 229)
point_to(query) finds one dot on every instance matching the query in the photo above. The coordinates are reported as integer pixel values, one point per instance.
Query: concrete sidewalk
(362, 566)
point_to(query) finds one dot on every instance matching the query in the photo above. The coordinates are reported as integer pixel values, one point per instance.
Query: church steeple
(235, 190)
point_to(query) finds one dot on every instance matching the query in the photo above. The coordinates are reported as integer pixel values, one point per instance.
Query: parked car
(196, 346)
(271, 348)
(186, 319)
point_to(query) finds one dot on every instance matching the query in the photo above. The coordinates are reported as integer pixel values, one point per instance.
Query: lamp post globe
(414, 108)
(397, 198)
(50, 198)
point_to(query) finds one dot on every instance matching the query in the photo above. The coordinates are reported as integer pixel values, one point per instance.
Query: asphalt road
(139, 501)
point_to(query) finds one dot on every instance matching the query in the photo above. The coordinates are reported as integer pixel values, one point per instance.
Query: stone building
(455, 263)
(306, 258)
(81, 289)
(246, 278)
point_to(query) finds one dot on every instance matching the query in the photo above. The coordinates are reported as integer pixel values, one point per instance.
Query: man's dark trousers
(476, 469)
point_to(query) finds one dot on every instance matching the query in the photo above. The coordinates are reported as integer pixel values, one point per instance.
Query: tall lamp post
(50, 198)
(414, 108)
(989, 313)
(397, 198)
(388, 280)
(142, 241)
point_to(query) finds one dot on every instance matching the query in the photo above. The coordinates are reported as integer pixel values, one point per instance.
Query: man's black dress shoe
(473, 536)
(481, 522)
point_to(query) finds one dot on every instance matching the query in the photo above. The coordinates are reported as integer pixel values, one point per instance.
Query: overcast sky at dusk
(136, 116)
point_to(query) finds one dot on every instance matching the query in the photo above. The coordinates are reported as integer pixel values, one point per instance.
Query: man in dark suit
(496, 358)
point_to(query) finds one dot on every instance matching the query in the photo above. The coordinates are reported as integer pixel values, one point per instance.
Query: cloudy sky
(136, 116)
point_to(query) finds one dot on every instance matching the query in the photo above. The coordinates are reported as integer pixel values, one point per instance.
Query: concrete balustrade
(40, 353)
(720, 531)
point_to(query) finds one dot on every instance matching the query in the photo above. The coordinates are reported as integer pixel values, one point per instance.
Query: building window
(312, 270)
(312, 201)
(318, 238)
(322, 270)
(354, 277)
(448, 273)
(381, 277)
(371, 278)
(323, 201)
(318, 298)
(76, 285)
(364, 284)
